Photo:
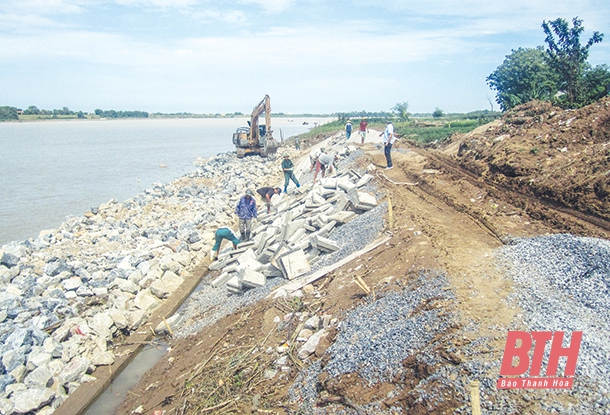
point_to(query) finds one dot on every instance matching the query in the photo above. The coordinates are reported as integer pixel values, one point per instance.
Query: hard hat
(286, 155)
(249, 192)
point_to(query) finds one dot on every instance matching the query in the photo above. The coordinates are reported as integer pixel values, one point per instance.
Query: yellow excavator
(256, 139)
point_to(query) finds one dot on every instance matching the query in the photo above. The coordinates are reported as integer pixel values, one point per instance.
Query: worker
(267, 193)
(324, 164)
(388, 140)
(246, 212)
(287, 168)
(222, 233)
(313, 157)
(364, 128)
(348, 129)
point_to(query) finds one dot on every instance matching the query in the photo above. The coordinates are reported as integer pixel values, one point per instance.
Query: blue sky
(208, 56)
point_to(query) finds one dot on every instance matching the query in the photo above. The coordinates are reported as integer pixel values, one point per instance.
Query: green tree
(32, 110)
(438, 113)
(401, 109)
(566, 56)
(595, 84)
(523, 76)
(8, 113)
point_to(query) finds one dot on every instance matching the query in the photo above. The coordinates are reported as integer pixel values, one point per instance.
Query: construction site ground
(531, 173)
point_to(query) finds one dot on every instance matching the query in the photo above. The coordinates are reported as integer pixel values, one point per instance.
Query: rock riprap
(65, 295)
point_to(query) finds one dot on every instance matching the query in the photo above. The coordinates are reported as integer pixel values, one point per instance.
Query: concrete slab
(364, 180)
(295, 264)
(343, 216)
(234, 282)
(222, 279)
(246, 256)
(253, 279)
(324, 244)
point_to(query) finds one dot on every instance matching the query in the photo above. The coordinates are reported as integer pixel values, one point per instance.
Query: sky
(309, 56)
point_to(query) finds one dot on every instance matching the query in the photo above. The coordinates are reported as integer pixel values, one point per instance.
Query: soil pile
(560, 156)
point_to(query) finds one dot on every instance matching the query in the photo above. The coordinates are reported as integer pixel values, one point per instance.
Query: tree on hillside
(438, 113)
(566, 56)
(523, 76)
(401, 109)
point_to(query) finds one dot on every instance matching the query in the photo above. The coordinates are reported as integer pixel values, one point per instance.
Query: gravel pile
(353, 236)
(376, 338)
(207, 305)
(562, 284)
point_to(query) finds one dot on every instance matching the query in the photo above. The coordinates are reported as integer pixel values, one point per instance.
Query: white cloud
(227, 16)
(271, 6)
(51, 7)
(177, 4)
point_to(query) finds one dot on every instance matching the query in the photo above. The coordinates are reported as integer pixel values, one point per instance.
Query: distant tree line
(559, 74)
(120, 114)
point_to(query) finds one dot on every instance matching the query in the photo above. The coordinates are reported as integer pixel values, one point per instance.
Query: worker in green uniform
(223, 233)
(287, 167)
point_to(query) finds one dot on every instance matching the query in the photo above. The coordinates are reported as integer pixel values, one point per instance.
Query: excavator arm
(263, 106)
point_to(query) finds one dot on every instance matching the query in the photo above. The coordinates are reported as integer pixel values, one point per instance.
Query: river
(53, 169)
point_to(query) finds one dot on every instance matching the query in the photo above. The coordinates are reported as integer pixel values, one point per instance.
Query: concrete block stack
(290, 239)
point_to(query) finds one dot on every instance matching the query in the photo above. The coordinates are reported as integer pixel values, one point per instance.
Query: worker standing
(348, 129)
(287, 168)
(364, 128)
(246, 212)
(267, 193)
(222, 233)
(388, 141)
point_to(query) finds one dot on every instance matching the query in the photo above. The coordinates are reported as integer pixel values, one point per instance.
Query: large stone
(31, 399)
(101, 324)
(167, 285)
(118, 317)
(74, 370)
(146, 301)
(41, 377)
(9, 260)
(309, 347)
(174, 323)
(128, 286)
(72, 283)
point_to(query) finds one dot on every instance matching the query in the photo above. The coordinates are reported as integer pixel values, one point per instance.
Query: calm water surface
(50, 170)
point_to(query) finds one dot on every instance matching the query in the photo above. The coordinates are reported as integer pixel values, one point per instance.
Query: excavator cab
(256, 139)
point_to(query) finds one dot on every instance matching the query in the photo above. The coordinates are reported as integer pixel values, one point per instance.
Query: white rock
(310, 346)
(146, 301)
(31, 399)
(72, 283)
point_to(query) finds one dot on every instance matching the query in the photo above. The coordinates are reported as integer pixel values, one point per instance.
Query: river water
(50, 170)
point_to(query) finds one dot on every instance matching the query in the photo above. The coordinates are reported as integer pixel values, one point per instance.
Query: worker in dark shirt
(267, 193)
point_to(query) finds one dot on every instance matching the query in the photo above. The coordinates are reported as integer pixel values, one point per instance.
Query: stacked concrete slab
(290, 239)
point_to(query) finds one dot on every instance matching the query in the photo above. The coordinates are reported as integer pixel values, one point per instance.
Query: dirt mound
(560, 156)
